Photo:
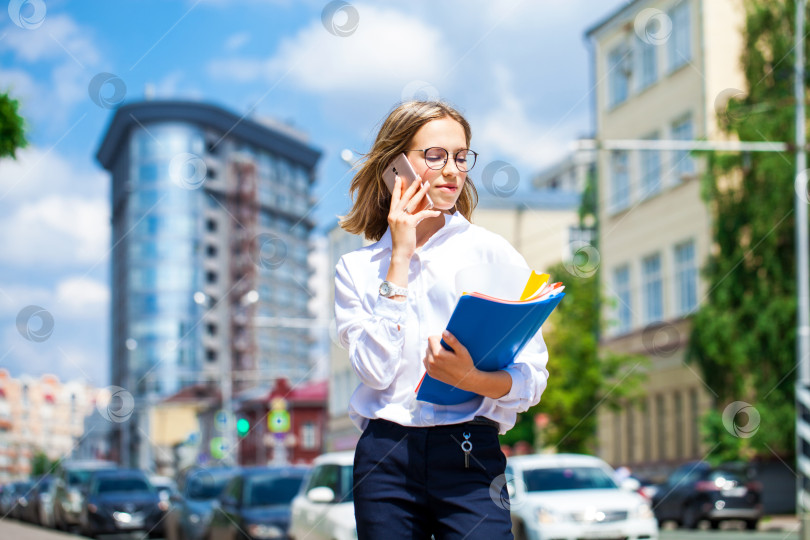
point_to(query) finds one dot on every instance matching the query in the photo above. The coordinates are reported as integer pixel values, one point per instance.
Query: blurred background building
(210, 230)
(40, 416)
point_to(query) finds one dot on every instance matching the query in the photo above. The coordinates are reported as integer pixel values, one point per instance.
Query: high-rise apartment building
(210, 234)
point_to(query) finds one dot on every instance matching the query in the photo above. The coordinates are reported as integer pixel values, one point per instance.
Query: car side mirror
(321, 494)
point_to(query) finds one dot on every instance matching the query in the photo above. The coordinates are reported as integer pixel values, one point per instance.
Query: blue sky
(518, 70)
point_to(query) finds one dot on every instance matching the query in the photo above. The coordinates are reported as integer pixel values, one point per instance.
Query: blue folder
(494, 334)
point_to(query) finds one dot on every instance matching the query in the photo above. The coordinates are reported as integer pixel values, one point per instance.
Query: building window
(210, 277)
(661, 415)
(683, 164)
(619, 71)
(211, 329)
(210, 250)
(679, 46)
(648, 430)
(647, 68)
(694, 421)
(631, 434)
(652, 289)
(650, 170)
(679, 431)
(309, 436)
(210, 355)
(685, 278)
(621, 283)
(210, 225)
(617, 437)
(620, 180)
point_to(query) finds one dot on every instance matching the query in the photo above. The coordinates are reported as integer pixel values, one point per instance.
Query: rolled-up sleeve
(373, 335)
(529, 376)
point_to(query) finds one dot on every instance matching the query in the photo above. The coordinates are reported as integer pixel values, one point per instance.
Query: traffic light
(242, 427)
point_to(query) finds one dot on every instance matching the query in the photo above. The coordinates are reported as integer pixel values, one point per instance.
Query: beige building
(541, 225)
(39, 415)
(662, 68)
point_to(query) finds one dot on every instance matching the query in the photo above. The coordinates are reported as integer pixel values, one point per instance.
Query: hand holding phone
(400, 166)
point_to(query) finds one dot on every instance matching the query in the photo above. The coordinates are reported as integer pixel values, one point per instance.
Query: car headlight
(259, 530)
(644, 511)
(544, 515)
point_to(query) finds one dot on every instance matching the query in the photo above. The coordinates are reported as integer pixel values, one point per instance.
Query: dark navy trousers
(411, 483)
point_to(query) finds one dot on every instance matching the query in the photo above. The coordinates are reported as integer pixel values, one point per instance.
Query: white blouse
(387, 339)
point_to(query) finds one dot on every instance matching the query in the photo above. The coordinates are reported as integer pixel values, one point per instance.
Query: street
(10, 528)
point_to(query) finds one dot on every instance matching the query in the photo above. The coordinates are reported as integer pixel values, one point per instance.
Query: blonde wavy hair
(371, 198)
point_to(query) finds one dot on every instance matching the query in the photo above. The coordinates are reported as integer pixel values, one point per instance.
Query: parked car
(17, 499)
(573, 496)
(190, 510)
(43, 500)
(697, 491)
(324, 508)
(121, 500)
(71, 481)
(39, 491)
(256, 504)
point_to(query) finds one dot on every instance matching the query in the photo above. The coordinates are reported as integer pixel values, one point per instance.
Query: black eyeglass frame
(447, 156)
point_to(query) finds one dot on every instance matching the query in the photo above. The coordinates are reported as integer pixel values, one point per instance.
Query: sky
(518, 70)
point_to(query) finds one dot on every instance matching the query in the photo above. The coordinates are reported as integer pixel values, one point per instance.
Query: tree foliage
(12, 134)
(744, 333)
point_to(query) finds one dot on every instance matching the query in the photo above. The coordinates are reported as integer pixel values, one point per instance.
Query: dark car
(17, 498)
(71, 483)
(190, 511)
(39, 493)
(121, 500)
(256, 504)
(697, 491)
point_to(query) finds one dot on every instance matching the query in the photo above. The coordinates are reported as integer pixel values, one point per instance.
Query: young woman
(423, 469)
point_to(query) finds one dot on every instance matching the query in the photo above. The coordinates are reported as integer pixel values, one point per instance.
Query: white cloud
(82, 297)
(236, 41)
(56, 231)
(59, 37)
(388, 50)
(508, 129)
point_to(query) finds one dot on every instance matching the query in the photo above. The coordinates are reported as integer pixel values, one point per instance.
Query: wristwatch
(388, 289)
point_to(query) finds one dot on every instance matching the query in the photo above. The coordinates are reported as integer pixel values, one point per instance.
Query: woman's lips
(448, 188)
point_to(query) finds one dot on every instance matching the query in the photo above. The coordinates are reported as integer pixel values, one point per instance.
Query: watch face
(385, 288)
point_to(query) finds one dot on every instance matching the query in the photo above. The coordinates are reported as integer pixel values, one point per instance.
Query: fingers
(454, 343)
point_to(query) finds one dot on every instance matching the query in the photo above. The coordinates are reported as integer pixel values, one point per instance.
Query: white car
(324, 509)
(570, 497)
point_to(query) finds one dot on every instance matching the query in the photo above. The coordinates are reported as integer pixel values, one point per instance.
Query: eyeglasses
(436, 158)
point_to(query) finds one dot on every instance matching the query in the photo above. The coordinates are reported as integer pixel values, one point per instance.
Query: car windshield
(272, 490)
(75, 478)
(556, 479)
(205, 486)
(121, 485)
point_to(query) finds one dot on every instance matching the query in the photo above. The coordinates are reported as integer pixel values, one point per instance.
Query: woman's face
(445, 184)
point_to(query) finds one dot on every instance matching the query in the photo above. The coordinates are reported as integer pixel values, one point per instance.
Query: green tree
(40, 464)
(744, 333)
(12, 134)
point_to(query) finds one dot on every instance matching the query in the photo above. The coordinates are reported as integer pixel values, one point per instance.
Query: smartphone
(400, 166)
